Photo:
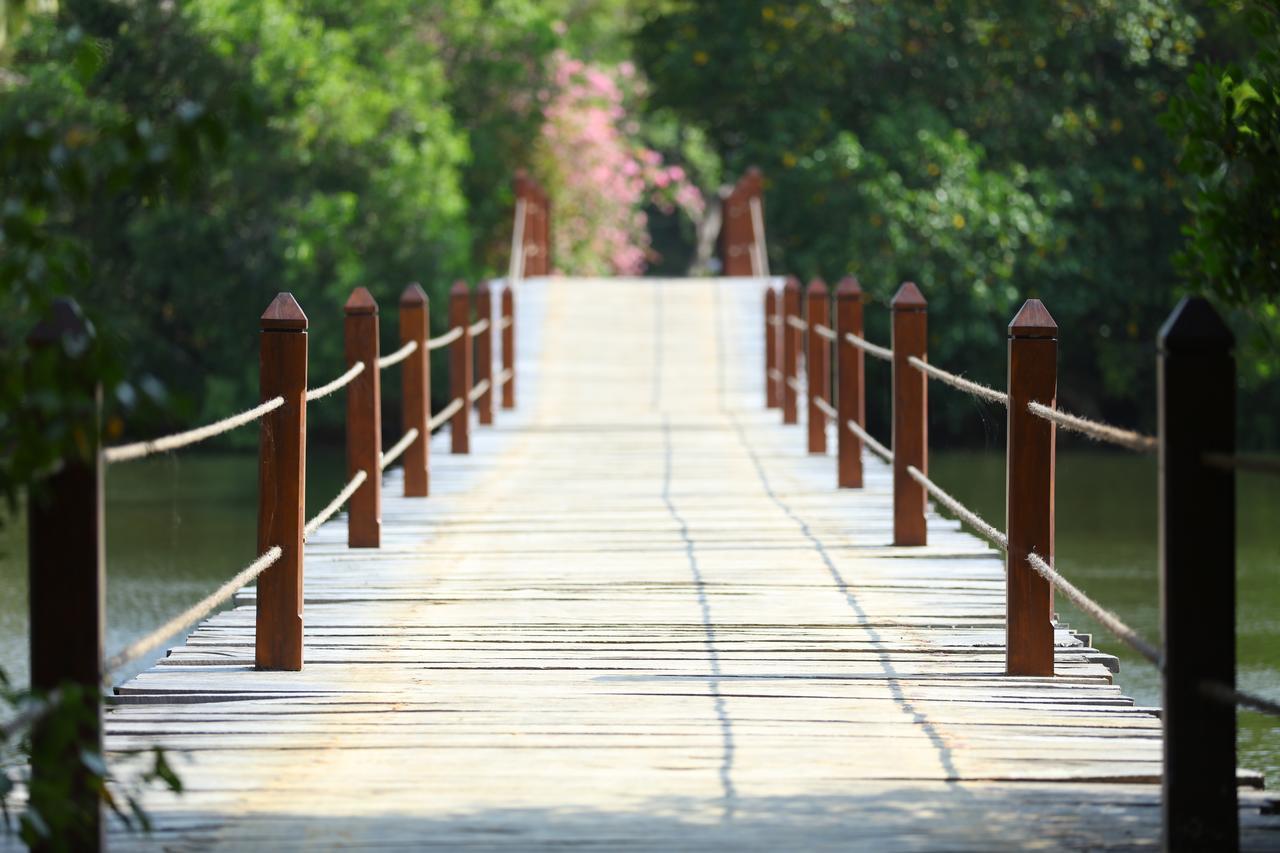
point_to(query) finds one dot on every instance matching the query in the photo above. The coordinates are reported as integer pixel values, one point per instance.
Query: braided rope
(140, 449)
(398, 448)
(505, 323)
(977, 389)
(445, 339)
(481, 388)
(325, 390)
(1096, 430)
(1231, 696)
(398, 356)
(444, 414)
(868, 347)
(826, 408)
(968, 516)
(796, 323)
(760, 251)
(824, 332)
(774, 319)
(194, 613)
(479, 327)
(334, 505)
(1251, 464)
(775, 374)
(795, 385)
(874, 446)
(504, 377)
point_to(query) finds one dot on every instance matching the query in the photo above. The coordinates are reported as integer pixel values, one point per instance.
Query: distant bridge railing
(1196, 448)
(65, 543)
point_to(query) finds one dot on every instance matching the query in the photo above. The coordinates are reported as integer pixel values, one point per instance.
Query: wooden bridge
(639, 614)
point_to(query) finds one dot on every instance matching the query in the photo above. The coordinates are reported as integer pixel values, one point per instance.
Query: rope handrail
(774, 319)
(327, 389)
(1100, 614)
(445, 339)
(398, 448)
(826, 408)
(479, 327)
(1234, 696)
(334, 505)
(868, 347)
(968, 516)
(796, 323)
(759, 250)
(795, 385)
(869, 440)
(977, 389)
(444, 414)
(775, 374)
(481, 388)
(397, 356)
(1096, 430)
(825, 332)
(141, 449)
(504, 377)
(515, 270)
(195, 612)
(34, 710)
(505, 323)
(1250, 464)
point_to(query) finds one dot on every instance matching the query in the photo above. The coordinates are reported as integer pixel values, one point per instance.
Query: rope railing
(774, 320)
(515, 270)
(759, 249)
(1234, 696)
(33, 709)
(398, 448)
(826, 408)
(202, 608)
(795, 384)
(479, 327)
(398, 356)
(141, 449)
(775, 374)
(977, 389)
(968, 516)
(796, 323)
(445, 339)
(481, 388)
(1249, 464)
(342, 381)
(505, 323)
(503, 377)
(824, 331)
(869, 440)
(334, 505)
(1096, 430)
(868, 347)
(444, 414)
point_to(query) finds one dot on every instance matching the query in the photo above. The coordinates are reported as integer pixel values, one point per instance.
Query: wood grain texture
(364, 420)
(415, 394)
(851, 398)
(639, 616)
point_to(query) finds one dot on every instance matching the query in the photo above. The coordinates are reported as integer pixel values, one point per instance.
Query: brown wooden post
(771, 316)
(790, 350)
(737, 234)
(484, 353)
(415, 379)
(66, 583)
(910, 415)
(364, 421)
(460, 367)
(282, 474)
(817, 365)
(851, 398)
(1029, 467)
(1197, 412)
(544, 230)
(509, 346)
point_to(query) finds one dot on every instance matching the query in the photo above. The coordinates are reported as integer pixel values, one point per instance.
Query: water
(179, 526)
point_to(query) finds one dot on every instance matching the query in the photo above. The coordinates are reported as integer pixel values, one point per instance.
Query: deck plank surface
(640, 616)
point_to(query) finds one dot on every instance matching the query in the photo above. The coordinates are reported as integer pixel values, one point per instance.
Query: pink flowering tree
(600, 176)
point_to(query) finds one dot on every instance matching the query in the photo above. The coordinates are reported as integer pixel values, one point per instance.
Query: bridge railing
(65, 547)
(1197, 460)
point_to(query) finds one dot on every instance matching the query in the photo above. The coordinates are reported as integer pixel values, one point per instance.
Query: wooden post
(790, 349)
(544, 230)
(817, 366)
(415, 379)
(509, 346)
(737, 234)
(282, 472)
(910, 415)
(364, 421)
(484, 353)
(1197, 413)
(66, 582)
(1029, 471)
(771, 316)
(460, 367)
(851, 398)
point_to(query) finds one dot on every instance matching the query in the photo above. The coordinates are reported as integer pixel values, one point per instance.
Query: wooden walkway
(639, 616)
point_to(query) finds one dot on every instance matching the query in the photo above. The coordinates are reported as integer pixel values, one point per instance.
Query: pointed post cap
(908, 298)
(770, 296)
(284, 314)
(1033, 320)
(792, 283)
(459, 289)
(412, 295)
(848, 288)
(64, 323)
(482, 287)
(1195, 325)
(817, 288)
(360, 301)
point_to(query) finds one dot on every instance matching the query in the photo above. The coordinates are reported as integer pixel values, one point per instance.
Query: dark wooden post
(415, 379)
(1197, 412)
(460, 367)
(790, 349)
(484, 352)
(364, 421)
(282, 473)
(737, 234)
(817, 366)
(509, 346)
(851, 398)
(66, 582)
(544, 231)
(910, 415)
(771, 316)
(1029, 472)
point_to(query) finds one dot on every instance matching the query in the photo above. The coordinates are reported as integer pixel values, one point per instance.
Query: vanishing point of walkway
(639, 616)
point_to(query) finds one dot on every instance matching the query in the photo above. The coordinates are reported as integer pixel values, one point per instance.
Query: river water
(180, 525)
